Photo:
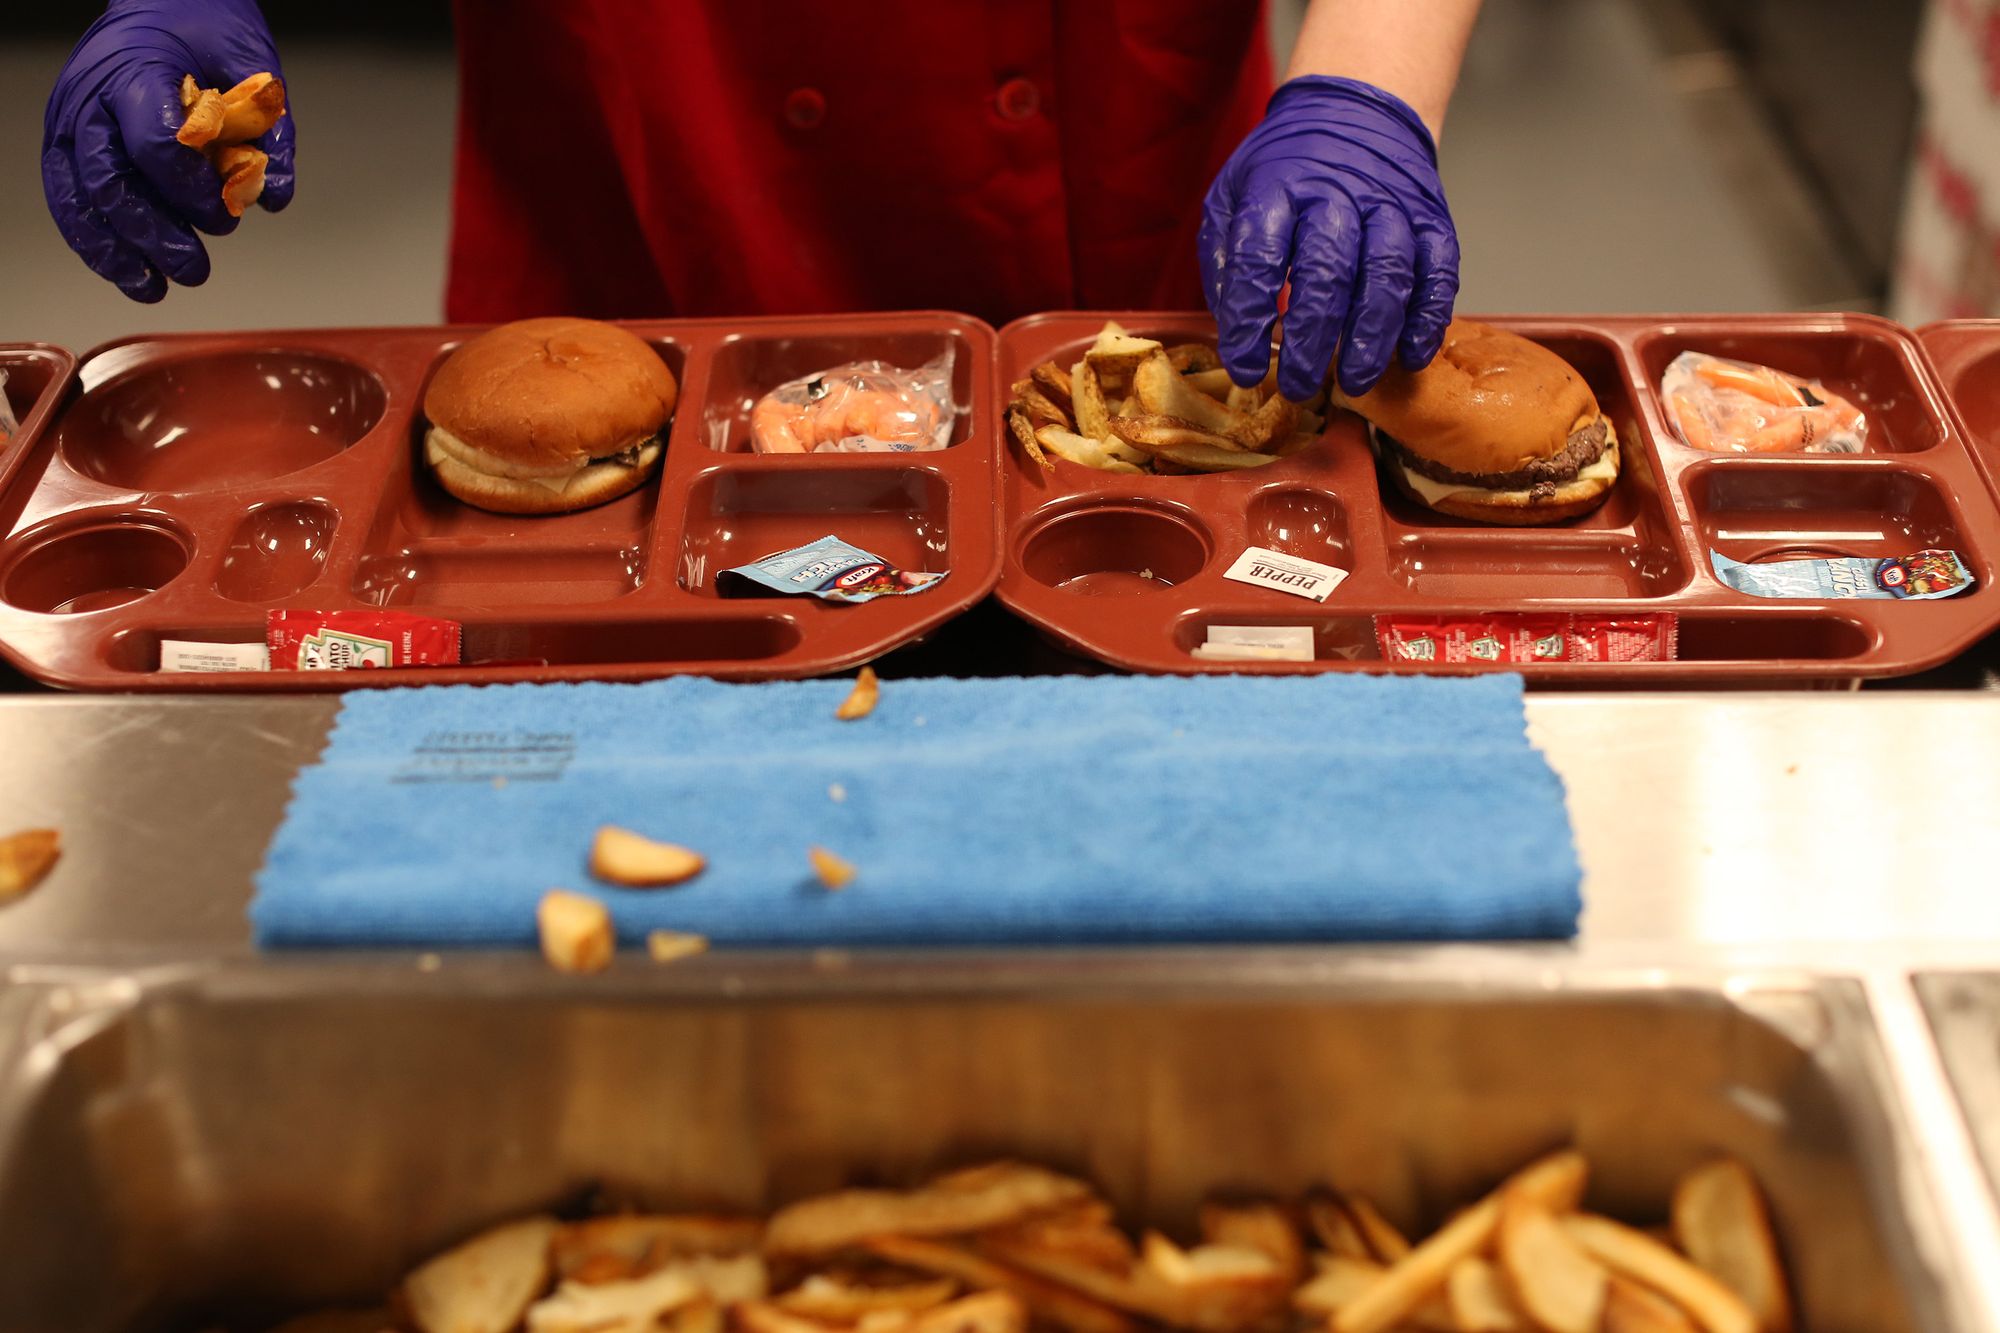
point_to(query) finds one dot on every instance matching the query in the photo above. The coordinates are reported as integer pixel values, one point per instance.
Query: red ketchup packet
(358, 640)
(1522, 638)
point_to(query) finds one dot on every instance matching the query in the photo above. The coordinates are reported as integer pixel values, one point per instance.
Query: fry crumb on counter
(860, 702)
(831, 870)
(26, 859)
(575, 931)
(631, 860)
(669, 946)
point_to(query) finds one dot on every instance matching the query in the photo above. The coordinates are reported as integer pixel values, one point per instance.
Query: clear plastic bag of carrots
(1726, 406)
(860, 407)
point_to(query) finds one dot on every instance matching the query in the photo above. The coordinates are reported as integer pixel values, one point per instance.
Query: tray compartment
(1871, 362)
(1968, 357)
(1802, 636)
(178, 1159)
(1116, 548)
(738, 514)
(1766, 510)
(747, 366)
(93, 562)
(208, 421)
(1299, 521)
(277, 551)
(1527, 568)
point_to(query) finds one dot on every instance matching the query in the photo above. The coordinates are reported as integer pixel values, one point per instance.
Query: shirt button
(805, 108)
(1018, 99)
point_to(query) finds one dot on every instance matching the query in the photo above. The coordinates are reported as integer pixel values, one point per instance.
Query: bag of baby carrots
(1726, 406)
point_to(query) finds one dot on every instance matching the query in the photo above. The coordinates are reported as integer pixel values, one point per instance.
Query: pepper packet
(1925, 576)
(828, 569)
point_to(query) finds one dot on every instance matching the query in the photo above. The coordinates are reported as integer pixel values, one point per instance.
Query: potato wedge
(1187, 357)
(575, 931)
(834, 872)
(1054, 382)
(1188, 445)
(637, 1303)
(982, 1312)
(26, 858)
(1030, 399)
(1116, 356)
(1049, 1302)
(1162, 391)
(1340, 1281)
(1383, 1240)
(202, 125)
(1638, 1256)
(839, 1301)
(860, 700)
(1336, 1228)
(645, 1241)
(1722, 1224)
(1023, 427)
(994, 1195)
(1631, 1308)
(1262, 1227)
(1556, 1182)
(1480, 1301)
(484, 1285)
(1560, 1287)
(1272, 423)
(1088, 452)
(1093, 413)
(1215, 383)
(620, 856)
(252, 108)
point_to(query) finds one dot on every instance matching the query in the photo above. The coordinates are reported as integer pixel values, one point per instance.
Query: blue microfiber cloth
(1059, 810)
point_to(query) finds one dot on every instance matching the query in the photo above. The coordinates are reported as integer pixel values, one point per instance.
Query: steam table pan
(1129, 570)
(193, 482)
(217, 1148)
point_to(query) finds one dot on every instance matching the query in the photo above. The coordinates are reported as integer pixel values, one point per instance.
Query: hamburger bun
(1497, 429)
(545, 416)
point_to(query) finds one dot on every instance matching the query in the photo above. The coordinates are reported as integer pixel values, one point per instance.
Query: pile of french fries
(1008, 1247)
(1132, 404)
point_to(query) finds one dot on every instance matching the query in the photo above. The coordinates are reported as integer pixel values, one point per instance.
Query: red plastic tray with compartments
(1129, 569)
(190, 483)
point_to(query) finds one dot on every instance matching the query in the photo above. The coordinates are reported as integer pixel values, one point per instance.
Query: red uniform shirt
(618, 158)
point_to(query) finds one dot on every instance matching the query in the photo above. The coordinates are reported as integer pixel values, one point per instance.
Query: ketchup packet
(1920, 577)
(829, 569)
(358, 640)
(1518, 639)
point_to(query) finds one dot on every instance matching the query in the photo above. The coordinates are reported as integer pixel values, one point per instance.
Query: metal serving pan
(215, 1146)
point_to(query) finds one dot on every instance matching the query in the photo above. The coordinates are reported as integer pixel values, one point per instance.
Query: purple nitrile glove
(127, 195)
(1337, 190)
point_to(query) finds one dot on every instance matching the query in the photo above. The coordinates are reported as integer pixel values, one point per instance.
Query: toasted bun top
(548, 394)
(1492, 401)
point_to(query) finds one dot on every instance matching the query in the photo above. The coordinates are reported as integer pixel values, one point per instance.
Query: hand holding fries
(1134, 405)
(222, 124)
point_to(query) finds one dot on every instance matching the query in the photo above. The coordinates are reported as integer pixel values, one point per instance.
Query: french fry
(1093, 414)
(1116, 357)
(833, 872)
(1215, 382)
(1257, 1226)
(620, 856)
(1054, 382)
(1638, 1256)
(575, 932)
(1089, 452)
(1029, 397)
(1631, 1308)
(1166, 437)
(1162, 391)
(1480, 1301)
(242, 171)
(1722, 1224)
(1221, 1288)
(202, 123)
(697, 1317)
(837, 1301)
(644, 1241)
(251, 108)
(983, 1312)
(1336, 1228)
(765, 1317)
(670, 946)
(484, 1285)
(1383, 1240)
(1560, 1286)
(1240, 399)
(26, 858)
(1341, 1280)
(1555, 1181)
(1023, 428)
(995, 1195)
(860, 701)
(1193, 357)
(640, 1302)
(1048, 1301)
(1272, 422)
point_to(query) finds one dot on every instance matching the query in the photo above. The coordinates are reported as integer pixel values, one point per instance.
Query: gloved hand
(127, 195)
(1338, 191)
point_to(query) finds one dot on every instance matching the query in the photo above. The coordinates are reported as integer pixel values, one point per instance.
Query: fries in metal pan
(1007, 1246)
(1125, 377)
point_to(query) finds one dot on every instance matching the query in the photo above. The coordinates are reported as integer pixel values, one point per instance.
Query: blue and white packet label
(1919, 577)
(829, 569)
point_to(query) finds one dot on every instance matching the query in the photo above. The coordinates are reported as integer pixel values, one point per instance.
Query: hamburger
(1496, 429)
(545, 416)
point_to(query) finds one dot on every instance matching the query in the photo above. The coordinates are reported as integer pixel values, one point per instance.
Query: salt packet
(1920, 577)
(829, 569)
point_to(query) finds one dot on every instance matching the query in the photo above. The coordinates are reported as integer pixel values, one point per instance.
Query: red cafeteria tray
(1129, 570)
(191, 482)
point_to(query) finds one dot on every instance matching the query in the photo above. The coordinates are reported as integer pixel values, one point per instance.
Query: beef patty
(1585, 447)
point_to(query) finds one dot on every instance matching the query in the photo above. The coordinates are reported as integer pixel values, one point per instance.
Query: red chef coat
(619, 158)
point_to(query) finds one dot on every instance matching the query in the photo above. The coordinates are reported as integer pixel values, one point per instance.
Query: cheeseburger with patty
(1497, 429)
(545, 416)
